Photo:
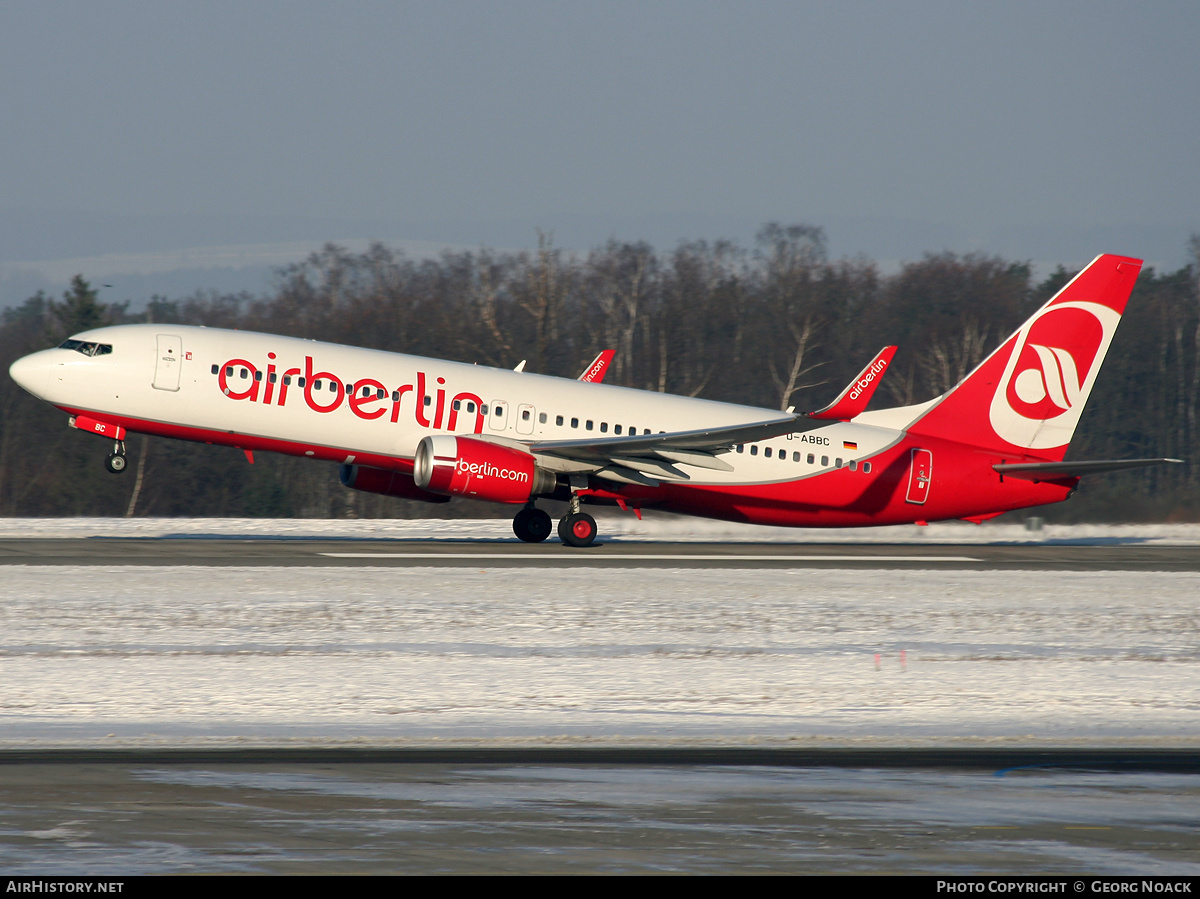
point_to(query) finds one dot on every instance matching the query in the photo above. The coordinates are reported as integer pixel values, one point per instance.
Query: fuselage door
(166, 364)
(498, 415)
(525, 419)
(920, 473)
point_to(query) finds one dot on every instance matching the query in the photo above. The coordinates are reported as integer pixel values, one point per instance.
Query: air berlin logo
(868, 376)
(1049, 374)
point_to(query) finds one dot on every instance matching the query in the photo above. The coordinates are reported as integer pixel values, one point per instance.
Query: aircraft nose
(31, 372)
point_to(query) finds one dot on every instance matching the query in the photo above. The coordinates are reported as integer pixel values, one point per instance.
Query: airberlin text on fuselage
(275, 386)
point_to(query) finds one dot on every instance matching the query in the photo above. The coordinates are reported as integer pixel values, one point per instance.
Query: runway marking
(651, 557)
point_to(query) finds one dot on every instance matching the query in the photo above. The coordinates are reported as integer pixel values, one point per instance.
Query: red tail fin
(1027, 396)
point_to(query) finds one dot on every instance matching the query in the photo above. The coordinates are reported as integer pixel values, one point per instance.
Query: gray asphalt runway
(373, 817)
(1095, 556)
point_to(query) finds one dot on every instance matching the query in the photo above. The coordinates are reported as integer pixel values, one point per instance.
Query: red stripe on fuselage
(250, 441)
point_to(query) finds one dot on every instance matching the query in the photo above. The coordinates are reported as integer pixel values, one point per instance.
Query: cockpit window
(87, 347)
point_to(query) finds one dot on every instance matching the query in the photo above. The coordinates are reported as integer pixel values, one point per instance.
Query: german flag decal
(849, 444)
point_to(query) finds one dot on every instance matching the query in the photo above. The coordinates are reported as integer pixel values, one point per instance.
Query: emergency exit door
(920, 473)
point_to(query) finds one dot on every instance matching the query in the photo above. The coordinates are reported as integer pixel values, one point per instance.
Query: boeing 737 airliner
(428, 429)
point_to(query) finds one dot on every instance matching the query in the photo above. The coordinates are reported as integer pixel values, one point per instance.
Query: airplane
(428, 429)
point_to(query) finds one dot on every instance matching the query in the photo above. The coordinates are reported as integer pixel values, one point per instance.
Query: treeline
(776, 325)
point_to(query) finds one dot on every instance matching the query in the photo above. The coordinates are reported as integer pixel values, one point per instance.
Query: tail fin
(1027, 396)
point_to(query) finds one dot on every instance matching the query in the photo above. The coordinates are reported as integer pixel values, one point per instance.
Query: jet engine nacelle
(463, 466)
(389, 483)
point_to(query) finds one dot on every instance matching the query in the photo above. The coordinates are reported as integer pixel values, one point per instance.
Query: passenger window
(617, 430)
(470, 407)
(853, 465)
(272, 377)
(824, 460)
(740, 447)
(456, 405)
(216, 368)
(541, 418)
(316, 385)
(287, 379)
(866, 468)
(395, 394)
(811, 458)
(483, 410)
(603, 427)
(380, 393)
(558, 420)
(588, 426)
(428, 400)
(767, 452)
(837, 463)
(795, 457)
(754, 450)
(574, 422)
(525, 415)
(258, 376)
(229, 371)
(244, 373)
(300, 382)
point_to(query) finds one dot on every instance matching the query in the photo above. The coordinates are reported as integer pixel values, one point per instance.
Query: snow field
(131, 656)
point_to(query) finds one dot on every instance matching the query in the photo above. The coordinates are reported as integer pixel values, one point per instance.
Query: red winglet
(595, 372)
(853, 400)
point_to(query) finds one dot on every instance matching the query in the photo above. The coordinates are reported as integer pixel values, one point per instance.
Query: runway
(221, 552)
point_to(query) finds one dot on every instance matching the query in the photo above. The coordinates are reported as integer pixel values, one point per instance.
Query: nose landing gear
(115, 461)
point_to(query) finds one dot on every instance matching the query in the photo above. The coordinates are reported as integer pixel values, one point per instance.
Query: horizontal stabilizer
(1046, 471)
(854, 399)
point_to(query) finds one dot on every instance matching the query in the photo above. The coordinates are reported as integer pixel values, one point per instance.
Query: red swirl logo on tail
(1050, 374)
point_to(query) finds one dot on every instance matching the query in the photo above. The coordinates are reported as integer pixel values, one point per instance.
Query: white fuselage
(293, 391)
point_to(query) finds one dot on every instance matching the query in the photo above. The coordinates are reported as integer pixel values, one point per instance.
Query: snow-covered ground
(181, 656)
(623, 527)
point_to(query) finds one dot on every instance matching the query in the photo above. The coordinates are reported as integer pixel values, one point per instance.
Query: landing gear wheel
(115, 462)
(578, 529)
(531, 525)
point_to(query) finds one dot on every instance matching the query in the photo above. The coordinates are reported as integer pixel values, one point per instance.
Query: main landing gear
(531, 525)
(576, 528)
(115, 461)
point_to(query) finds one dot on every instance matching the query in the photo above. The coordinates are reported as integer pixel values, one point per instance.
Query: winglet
(595, 372)
(853, 400)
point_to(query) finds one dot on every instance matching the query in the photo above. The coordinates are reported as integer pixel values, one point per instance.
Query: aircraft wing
(648, 458)
(1046, 471)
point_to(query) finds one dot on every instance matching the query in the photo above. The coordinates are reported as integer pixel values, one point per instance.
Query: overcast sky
(978, 119)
